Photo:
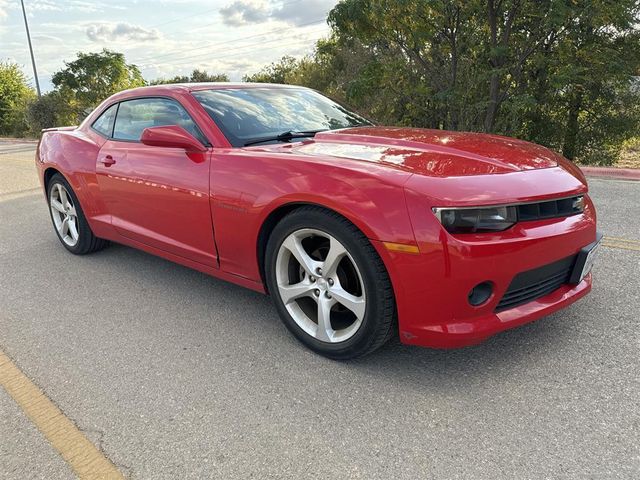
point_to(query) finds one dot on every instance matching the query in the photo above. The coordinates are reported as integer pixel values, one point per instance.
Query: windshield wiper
(285, 136)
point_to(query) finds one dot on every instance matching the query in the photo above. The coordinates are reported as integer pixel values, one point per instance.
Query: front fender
(246, 190)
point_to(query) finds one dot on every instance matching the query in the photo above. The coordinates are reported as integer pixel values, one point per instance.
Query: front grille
(563, 207)
(536, 283)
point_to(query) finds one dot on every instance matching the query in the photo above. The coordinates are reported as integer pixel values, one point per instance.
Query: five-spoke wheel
(320, 285)
(329, 284)
(68, 218)
(64, 215)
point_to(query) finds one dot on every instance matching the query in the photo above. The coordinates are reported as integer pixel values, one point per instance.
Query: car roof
(172, 89)
(235, 85)
(191, 87)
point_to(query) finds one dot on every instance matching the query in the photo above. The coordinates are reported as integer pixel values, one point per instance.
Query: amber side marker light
(401, 247)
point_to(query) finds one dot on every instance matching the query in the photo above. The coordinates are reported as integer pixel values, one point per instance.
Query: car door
(158, 196)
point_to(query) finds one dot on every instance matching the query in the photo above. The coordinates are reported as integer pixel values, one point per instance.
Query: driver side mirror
(171, 136)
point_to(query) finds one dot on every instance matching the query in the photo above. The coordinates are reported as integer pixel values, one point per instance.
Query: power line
(232, 55)
(183, 18)
(226, 42)
(285, 43)
(240, 47)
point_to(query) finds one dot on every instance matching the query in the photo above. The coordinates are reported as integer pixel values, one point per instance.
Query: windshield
(247, 115)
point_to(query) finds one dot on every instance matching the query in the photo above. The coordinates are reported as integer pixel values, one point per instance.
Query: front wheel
(329, 285)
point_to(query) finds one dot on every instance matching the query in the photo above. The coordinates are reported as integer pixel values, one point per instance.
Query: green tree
(92, 77)
(197, 76)
(15, 94)
(420, 56)
(558, 72)
(603, 53)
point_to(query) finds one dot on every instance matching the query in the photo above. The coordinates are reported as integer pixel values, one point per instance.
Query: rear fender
(73, 154)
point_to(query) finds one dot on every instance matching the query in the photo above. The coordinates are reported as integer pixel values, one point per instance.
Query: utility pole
(33, 59)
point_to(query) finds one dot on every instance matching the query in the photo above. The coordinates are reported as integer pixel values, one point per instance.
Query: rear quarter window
(104, 124)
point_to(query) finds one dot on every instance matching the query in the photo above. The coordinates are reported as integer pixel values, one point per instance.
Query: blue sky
(163, 37)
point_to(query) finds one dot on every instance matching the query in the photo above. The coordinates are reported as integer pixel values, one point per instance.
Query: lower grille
(536, 283)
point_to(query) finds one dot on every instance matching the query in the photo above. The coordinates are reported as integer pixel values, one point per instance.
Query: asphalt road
(173, 374)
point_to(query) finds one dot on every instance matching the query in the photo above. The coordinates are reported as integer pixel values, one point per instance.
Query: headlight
(476, 220)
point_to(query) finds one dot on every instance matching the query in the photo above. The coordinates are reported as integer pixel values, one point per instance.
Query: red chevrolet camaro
(358, 232)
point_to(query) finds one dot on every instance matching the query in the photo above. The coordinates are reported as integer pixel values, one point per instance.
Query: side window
(136, 115)
(104, 123)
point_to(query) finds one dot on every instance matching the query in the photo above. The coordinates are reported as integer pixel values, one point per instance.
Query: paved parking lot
(173, 374)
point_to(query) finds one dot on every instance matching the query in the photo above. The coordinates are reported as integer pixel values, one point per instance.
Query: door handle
(108, 161)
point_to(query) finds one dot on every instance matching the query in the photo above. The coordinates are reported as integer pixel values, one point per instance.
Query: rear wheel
(68, 218)
(329, 285)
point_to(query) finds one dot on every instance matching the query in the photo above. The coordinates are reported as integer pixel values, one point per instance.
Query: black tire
(87, 241)
(379, 322)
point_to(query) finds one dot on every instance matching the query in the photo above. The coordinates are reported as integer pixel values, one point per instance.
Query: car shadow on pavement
(254, 312)
(504, 349)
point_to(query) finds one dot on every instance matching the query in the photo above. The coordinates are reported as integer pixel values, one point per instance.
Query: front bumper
(457, 334)
(432, 287)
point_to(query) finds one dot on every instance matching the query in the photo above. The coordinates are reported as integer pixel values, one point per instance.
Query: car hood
(435, 153)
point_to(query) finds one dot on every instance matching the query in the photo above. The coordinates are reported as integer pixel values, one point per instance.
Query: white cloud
(244, 12)
(112, 32)
(296, 12)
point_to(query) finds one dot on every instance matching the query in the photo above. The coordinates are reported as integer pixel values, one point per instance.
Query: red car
(356, 231)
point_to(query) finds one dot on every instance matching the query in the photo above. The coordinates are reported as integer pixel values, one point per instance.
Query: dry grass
(630, 155)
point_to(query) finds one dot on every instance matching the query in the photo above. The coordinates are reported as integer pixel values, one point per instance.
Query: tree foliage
(275, 73)
(197, 76)
(556, 72)
(15, 94)
(92, 77)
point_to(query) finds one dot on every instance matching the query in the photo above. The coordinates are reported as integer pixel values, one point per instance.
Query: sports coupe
(358, 232)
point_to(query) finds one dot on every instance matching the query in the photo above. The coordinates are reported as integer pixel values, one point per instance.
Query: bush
(15, 95)
(50, 110)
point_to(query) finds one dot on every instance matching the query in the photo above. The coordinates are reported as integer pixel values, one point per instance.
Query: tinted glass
(104, 123)
(246, 114)
(136, 115)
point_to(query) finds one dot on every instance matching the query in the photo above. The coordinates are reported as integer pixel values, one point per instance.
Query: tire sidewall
(318, 220)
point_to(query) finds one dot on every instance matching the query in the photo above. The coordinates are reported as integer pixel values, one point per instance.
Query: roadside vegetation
(565, 74)
(630, 154)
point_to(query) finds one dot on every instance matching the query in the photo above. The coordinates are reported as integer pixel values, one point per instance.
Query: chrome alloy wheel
(320, 285)
(64, 214)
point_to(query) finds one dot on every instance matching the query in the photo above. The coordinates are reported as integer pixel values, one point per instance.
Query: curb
(614, 173)
(18, 140)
